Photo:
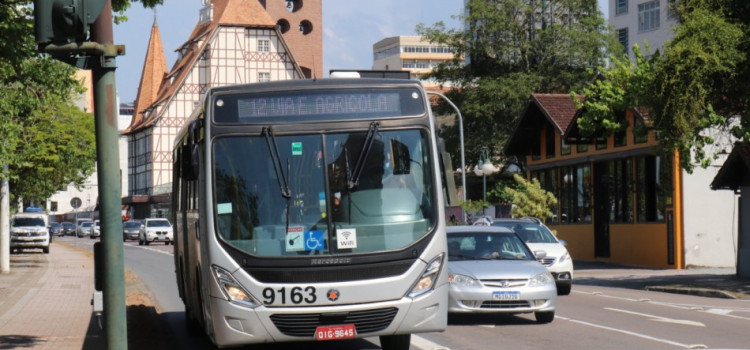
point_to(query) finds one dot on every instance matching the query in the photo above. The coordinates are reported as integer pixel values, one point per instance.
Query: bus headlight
(233, 290)
(426, 282)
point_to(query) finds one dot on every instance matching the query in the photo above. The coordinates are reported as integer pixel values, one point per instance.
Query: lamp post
(483, 168)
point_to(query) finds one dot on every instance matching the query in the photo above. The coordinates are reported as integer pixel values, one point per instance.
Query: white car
(96, 230)
(491, 270)
(538, 237)
(29, 230)
(155, 230)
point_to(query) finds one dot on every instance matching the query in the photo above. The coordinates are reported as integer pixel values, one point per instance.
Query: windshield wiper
(353, 180)
(278, 168)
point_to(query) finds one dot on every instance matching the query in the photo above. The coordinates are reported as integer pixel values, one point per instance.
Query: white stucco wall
(710, 221)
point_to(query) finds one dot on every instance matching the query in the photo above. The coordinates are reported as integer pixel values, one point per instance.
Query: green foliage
(511, 55)
(696, 84)
(47, 142)
(530, 199)
(500, 194)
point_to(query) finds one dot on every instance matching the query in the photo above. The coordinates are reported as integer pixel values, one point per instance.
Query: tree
(510, 49)
(696, 84)
(47, 142)
(530, 199)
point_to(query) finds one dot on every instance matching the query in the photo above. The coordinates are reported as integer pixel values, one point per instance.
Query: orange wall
(579, 238)
(641, 244)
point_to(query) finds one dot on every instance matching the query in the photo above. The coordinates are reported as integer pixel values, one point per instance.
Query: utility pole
(4, 222)
(62, 30)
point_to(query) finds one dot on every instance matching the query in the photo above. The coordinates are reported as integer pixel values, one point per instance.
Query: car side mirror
(540, 254)
(563, 242)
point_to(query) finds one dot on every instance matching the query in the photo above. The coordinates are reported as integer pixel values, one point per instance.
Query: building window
(653, 187)
(549, 141)
(575, 194)
(536, 146)
(264, 77)
(621, 6)
(564, 147)
(640, 132)
(622, 37)
(582, 148)
(548, 181)
(601, 142)
(621, 187)
(53, 206)
(648, 16)
(263, 46)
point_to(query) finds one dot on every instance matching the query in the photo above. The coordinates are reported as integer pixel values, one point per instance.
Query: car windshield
(486, 245)
(157, 223)
(68, 225)
(272, 197)
(55, 225)
(132, 225)
(529, 232)
(87, 224)
(25, 222)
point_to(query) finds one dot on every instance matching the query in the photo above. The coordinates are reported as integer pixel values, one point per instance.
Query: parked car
(29, 230)
(69, 228)
(84, 228)
(155, 229)
(96, 230)
(538, 237)
(56, 229)
(131, 229)
(491, 270)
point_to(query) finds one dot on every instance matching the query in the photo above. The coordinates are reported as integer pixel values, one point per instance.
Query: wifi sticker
(346, 238)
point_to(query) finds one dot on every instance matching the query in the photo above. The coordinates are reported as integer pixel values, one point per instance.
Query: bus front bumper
(241, 325)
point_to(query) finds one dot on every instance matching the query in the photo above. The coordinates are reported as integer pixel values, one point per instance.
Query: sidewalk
(707, 282)
(45, 301)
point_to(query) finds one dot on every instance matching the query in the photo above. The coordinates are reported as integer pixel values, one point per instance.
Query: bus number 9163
(295, 295)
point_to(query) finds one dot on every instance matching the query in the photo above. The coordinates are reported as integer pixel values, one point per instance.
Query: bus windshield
(344, 193)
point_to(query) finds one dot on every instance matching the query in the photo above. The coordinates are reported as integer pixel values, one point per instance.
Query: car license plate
(344, 331)
(506, 295)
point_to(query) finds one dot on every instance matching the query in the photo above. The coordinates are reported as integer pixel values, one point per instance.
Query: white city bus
(311, 210)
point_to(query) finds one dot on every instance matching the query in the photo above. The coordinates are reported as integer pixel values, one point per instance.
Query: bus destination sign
(331, 104)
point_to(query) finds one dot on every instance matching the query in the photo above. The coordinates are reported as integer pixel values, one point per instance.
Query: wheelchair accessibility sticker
(299, 239)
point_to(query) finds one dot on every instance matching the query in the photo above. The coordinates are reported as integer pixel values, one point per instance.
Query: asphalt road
(592, 317)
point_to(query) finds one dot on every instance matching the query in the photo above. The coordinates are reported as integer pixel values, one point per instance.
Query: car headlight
(233, 290)
(463, 280)
(541, 279)
(565, 257)
(426, 281)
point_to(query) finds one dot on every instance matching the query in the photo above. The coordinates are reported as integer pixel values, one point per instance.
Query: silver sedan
(491, 270)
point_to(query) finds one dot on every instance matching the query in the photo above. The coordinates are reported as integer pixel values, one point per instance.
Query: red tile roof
(558, 108)
(154, 68)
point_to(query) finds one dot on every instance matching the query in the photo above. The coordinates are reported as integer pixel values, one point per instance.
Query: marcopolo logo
(346, 238)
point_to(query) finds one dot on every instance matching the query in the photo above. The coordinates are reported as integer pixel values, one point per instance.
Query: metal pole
(110, 203)
(461, 138)
(4, 223)
(484, 193)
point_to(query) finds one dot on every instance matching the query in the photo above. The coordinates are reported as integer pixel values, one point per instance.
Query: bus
(311, 210)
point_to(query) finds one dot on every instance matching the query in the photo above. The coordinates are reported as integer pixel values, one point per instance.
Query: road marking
(424, 344)
(659, 318)
(648, 337)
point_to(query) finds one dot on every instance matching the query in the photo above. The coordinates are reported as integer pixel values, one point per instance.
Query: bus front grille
(304, 325)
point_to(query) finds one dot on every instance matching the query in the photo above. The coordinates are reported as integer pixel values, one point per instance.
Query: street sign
(75, 202)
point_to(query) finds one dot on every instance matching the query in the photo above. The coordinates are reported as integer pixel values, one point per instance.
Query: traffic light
(64, 21)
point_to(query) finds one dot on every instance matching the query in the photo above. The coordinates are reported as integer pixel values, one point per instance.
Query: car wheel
(563, 289)
(140, 241)
(145, 241)
(45, 250)
(544, 317)
(166, 242)
(395, 342)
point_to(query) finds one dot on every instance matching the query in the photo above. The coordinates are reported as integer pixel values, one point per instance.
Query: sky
(350, 28)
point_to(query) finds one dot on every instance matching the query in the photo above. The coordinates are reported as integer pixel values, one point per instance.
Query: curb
(702, 292)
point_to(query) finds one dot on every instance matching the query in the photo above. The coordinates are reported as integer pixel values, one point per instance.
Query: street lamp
(483, 168)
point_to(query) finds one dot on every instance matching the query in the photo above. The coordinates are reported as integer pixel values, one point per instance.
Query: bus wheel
(395, 342)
